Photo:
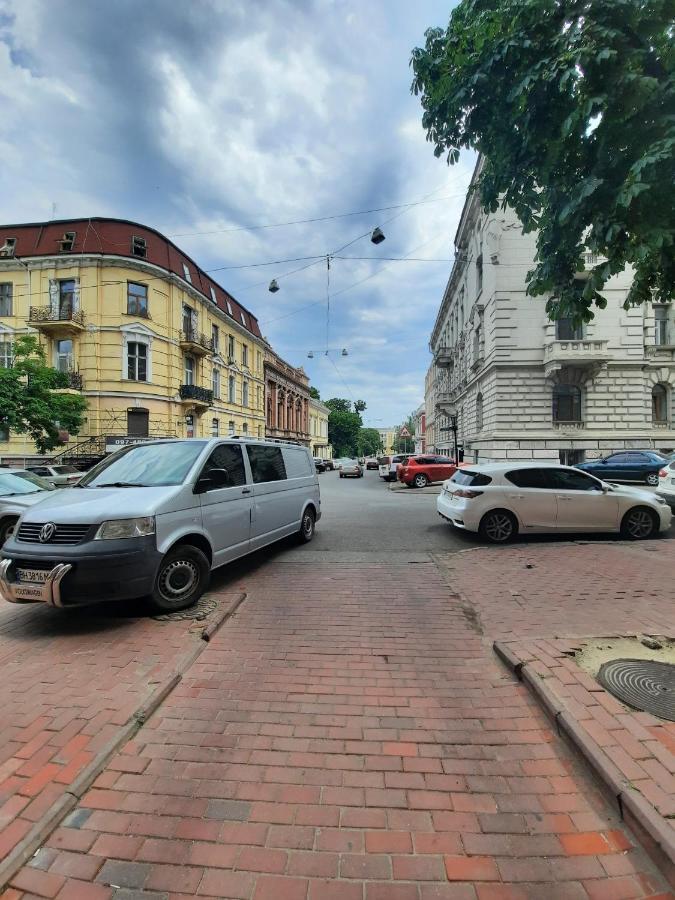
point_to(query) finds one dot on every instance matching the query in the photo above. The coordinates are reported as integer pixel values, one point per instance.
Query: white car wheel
(498, 526)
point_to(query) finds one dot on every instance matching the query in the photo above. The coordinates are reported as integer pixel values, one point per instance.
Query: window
(659, 404)
(138, 420)
(215, 383)
(6, 355)
(244, 354)
(6, 291)
(260, 434)
(566, 403)
(215, 427)
(571, 457)
(8, 247)
(138, 247)
(661, 335)
(231, 389)
(67, 242)
(186, 273)
(230, 458)
(215, 337)
(244, 428)
(258, 396)
(189, 322)
(137, 299)
(64, 355)
(213, 294)
(230, 348)
(68, 290)
(567, 330)
(267, 464)
(479, 274)
(258, 361)
(476, 344)
(229, 307)
(189, 369)
(230, 427)
(4, 432)
(243, 320)
(137, 361)
(525, 478)
(244, 394)
(467, 478)
(479, 412)
(566, 480)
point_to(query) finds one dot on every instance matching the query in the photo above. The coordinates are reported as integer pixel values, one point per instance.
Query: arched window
(566, 403)
(479, 412)
(660, 404)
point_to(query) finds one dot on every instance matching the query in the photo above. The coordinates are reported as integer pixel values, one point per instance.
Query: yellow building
(156, 346)
(318, 429)
(387, 438)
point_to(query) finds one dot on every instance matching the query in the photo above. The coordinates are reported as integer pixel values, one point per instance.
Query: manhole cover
(643, 684)
(202, 608)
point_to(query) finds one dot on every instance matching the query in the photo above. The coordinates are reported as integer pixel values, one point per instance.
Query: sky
(205, 118)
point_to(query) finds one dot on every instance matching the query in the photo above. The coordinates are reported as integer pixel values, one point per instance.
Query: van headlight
(118, 529)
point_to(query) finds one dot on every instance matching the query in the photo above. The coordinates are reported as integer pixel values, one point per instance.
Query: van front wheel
(307, 525)
(182, 578)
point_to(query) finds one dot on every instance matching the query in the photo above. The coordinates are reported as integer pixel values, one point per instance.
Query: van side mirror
(212, 480)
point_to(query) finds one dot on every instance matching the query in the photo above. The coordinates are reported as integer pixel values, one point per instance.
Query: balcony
(444, 399)
(197, 397)
(191, 341)
(444, 358)
(69, 383)
(56, 322)
(581, 354)
(590, 260)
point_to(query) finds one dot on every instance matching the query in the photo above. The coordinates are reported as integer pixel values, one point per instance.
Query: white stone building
(524, 387)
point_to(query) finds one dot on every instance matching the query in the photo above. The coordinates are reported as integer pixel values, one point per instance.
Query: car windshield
(13, 484)
(146, 465)
(65, 470)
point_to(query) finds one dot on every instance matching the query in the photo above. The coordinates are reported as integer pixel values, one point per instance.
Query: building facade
(318, 429)
(156, 346)
(387, 438)
(523, 387)
(286, 400)
(420, 419)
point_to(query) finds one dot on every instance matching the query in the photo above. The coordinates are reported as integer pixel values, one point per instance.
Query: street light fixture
(274, 287)
(377, 236)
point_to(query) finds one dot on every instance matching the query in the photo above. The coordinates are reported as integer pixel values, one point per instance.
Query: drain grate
(643, 684)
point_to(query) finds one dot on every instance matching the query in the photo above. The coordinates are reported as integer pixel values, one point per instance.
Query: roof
(105, 236)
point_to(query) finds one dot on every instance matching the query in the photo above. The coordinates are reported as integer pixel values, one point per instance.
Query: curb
(35, 837)
(650, 827)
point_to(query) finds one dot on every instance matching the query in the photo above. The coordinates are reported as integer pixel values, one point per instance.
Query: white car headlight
(118, 529)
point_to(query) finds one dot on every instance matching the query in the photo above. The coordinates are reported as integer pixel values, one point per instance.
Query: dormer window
(213, 294)
(229, 307)
(8, 247)
(186, 273)
(243, 320)
(67, 242)
(139, 247)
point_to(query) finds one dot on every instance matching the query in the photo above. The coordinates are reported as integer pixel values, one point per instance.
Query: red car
(420, 471)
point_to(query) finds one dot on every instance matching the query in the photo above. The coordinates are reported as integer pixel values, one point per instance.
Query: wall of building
(287, 400)
(106, 327)
(318, 429)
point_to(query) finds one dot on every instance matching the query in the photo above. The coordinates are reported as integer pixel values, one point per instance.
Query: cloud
(209, 116)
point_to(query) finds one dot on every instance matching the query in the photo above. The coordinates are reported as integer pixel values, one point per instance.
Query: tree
(343, 427)
(369, 442)
(572, 105)
(29, 399)
(314, 393)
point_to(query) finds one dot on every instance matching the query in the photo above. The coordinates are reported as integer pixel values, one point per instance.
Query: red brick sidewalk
(69, 684)
(348, 736)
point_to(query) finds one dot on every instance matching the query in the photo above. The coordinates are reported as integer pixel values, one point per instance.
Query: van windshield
(147, 465)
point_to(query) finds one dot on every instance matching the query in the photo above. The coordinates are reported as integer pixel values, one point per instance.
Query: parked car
(155, 519)
(627, 465)
(371, 463)
(419, 471)
(59, 476)
(319, 464)
(666, 487)
(351, 468)
(501, 500)
(340, 461)
(19, 489)
(388, 465)
(329, 465)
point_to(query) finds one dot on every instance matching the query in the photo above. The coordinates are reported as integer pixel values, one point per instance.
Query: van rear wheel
(182, 578)
(307, 526)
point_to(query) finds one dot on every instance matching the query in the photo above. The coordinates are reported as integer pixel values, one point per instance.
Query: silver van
(154, 519)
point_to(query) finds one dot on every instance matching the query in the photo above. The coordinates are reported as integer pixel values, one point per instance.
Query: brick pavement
(69, 682)
(348, 736)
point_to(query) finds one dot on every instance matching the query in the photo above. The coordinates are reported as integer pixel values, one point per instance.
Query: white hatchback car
(666, 486)
(500, 500)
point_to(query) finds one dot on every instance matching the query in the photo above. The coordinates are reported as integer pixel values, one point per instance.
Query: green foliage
(344, 426)
(572, 104)
(369, 442)
(28, 404)
(314, 393)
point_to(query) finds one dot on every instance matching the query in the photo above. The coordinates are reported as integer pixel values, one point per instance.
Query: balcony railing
(196, 341)
(196, 394)
(71, 381)
(574, 426)
(46, 315)
(579, 353)
(444, 358)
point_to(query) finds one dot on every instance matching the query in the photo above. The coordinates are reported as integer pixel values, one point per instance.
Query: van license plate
(34, 576)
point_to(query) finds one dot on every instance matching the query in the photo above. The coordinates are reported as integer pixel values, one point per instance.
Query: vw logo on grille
(47, 532)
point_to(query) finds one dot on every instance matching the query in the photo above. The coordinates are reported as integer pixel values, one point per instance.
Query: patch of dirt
(601, 650)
